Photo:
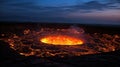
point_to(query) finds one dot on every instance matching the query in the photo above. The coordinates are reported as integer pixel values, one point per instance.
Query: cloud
(93, 5)
(103, 15)
(32, 5)
(88, 11)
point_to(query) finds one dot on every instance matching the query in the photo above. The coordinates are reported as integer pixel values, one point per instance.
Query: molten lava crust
(61, 40)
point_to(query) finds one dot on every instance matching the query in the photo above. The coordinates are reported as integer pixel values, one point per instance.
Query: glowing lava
(61, 40)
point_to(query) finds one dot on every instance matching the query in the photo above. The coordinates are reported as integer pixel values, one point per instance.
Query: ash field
(70, 45)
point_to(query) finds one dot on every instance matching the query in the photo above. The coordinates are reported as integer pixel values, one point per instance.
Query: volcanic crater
(73, 41)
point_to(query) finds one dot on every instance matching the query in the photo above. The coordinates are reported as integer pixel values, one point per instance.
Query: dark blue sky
(69, 11)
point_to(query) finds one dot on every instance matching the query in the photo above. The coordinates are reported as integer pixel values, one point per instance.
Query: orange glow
(61, 40)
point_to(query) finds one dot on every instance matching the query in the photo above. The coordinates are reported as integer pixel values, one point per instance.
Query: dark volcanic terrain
(20, 45)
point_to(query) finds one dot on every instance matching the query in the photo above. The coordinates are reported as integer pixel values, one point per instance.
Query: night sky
(61, 11)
